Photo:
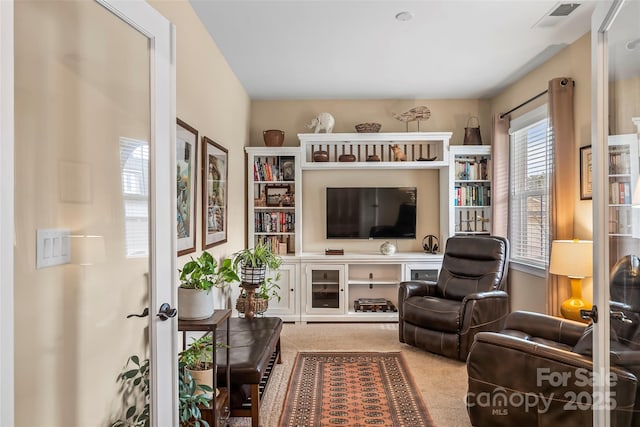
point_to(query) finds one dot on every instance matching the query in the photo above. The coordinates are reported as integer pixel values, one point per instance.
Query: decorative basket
(261, 304)
(368, 127)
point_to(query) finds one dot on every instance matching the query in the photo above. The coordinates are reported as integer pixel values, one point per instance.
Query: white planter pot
(194, 304)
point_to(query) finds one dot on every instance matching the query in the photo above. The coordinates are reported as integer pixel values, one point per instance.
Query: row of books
(620, 221)
(280, 245)
(471, 169)
(275, 222)
(274, 169)
(472, 195)
(620, 193)
(619, 163)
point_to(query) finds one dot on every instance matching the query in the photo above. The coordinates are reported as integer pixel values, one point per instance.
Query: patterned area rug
(353, 389)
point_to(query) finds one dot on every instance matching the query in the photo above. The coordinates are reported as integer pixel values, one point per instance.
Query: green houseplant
(253, 263)
(135, 388)
(197, 278)
(197, 360)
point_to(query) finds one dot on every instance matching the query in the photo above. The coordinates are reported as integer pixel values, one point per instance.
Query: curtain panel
(563, 188)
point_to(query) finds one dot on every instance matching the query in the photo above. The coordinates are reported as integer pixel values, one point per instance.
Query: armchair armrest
(625, 358)
(409, 289)
(548, 327)
(413, 288)
(481, 311)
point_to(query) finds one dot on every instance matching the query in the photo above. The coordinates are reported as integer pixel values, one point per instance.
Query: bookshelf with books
(274, 198)
(470, 189)
(623, 174)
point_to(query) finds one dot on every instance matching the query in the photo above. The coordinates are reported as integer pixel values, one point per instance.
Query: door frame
(163, 334)
(601, 20)
(6, 214)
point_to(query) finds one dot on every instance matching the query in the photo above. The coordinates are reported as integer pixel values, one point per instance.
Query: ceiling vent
(564, 9)
(556, 15)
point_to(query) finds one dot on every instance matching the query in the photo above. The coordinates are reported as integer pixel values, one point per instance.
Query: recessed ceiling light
(404, 16)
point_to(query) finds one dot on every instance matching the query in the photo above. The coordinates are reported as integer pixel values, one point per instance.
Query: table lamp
(574, 259)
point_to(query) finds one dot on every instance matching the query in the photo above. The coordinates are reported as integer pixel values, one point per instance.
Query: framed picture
(186, 167)
(586, 176)
(214, 195)
(287, 167)
(278, 195)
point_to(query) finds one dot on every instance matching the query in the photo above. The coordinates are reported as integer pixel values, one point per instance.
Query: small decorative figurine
(322, 121)
(398, 154)
(415, 114)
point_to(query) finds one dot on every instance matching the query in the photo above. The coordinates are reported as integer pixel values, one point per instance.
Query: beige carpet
(442, 381)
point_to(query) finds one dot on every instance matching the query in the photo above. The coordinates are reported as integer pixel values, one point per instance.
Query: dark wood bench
(254, 349)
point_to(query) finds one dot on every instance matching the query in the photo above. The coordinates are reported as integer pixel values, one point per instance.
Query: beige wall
(291, 116)
(528, 292)
(72, 338)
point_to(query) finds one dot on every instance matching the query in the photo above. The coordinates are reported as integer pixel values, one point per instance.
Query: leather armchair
(529, 375)
(545, 364)
(469, 297)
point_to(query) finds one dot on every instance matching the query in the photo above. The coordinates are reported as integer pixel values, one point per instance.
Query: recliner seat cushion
(440, 314)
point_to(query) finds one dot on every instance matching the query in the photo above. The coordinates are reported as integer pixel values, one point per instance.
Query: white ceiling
(354, 49)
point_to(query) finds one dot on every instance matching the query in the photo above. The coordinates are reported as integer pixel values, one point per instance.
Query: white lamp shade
(573, 258)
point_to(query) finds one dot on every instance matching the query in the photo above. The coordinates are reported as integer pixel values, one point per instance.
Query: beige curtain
(500, 184)
(563, 189)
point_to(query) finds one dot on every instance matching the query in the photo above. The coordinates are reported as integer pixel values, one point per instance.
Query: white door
(616, 231)
(93, 204)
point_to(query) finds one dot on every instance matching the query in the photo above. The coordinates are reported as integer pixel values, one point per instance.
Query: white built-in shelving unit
(319, 287)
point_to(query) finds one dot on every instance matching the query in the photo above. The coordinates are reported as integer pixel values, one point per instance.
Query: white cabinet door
(287, 307)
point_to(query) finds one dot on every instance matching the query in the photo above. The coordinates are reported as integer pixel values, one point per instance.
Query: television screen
(371, 212)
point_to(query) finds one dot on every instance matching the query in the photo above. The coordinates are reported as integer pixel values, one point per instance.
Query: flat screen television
(371, 212)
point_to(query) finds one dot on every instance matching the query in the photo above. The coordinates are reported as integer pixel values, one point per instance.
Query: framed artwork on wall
(214, 193)
(586, 177)
(186, 167)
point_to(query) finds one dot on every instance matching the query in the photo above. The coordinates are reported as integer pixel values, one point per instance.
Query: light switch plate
(53, 247)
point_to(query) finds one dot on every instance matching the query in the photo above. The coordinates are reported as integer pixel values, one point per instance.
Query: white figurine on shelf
(322, 121)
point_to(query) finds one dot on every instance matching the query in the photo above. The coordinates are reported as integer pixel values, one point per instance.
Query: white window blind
(530, 168)
(134, 163)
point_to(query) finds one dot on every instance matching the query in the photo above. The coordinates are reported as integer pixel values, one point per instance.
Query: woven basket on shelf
(261, 304)
(368, 127)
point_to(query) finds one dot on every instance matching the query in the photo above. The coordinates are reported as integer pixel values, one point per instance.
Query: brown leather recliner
(444, 316)
(537, 370)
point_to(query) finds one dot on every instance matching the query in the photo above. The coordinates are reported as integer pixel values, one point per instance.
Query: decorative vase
(320, 156)
(387, 248)
(194, 304)
(347, 158)
(273, 137)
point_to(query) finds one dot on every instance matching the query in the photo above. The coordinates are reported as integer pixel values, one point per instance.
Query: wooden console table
(220, 409)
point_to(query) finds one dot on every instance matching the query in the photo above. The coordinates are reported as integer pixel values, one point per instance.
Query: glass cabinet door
(325, 289)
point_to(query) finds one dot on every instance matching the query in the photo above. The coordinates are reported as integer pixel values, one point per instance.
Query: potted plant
(135, 387)
(197, 360)
(253, 263)
(197, 278)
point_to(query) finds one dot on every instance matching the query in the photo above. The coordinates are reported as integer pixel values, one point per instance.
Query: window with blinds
(134, 164)
(530, 168)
